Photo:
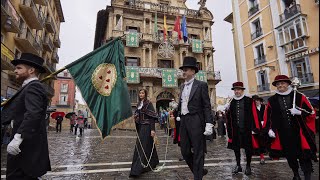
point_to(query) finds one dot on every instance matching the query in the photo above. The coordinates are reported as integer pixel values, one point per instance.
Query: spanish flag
(165, 28)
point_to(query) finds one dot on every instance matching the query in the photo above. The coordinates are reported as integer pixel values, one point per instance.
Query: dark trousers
(75, 129)
(14, 172)
(244, 143)
(191, 134)
(58, 127)
(305, 164)
(71, 128)
(248, 156)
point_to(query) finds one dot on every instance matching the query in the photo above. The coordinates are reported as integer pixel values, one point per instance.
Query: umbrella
(55, 114)
(68, 115)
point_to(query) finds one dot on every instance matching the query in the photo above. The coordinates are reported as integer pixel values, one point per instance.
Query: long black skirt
(144, 132)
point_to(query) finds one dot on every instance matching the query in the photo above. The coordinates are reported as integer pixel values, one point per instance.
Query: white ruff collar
(286, 92)
(238, 98)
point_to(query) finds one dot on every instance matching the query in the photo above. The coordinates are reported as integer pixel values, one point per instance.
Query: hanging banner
(132, 39)
(197, 46)
(201, 76)
(169, 78)
(133, 76)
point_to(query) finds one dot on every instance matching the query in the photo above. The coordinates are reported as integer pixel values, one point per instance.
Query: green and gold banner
(132, 39)
(133, 76)
(197, 46)
(169, 78)
(201, 76)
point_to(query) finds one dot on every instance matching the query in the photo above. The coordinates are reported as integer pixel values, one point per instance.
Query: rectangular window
(133, 94)
(256, 29)
(133, 29)
(165, 64)
(263, 84)
(132, 61)
(64, 88)
(301, 70)
(63, 99)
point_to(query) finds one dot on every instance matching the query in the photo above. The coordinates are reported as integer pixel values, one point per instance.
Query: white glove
(252, 132)
(208, 130)
(13, 146)
(271, 134)
(178, 119)
(295, 111)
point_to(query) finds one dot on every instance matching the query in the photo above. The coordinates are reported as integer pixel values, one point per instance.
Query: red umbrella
(55, 114)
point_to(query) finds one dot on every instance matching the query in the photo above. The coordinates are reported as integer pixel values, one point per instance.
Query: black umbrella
(68, 115)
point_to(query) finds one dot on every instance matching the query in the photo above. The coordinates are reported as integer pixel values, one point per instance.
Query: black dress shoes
(205, 172)
(248, 171)
(237, 169)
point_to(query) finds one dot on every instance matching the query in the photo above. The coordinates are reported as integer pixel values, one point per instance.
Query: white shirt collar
(140, 105)
(286, 92)
(189, 82)
(238, 98)
(27, 81)
(259, 107)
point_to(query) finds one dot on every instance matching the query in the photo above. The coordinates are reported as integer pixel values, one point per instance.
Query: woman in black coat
(220, 118)
(145, 117)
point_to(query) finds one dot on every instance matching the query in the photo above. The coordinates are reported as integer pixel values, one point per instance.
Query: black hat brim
(274, 83)
(192, 67)
(30, 63)
(238, 87)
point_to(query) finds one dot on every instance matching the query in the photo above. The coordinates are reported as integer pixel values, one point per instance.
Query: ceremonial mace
(295, 84)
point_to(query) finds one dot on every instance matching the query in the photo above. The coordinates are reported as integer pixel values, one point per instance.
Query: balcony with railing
(305, 78)
(263, 87)
(149, 6)
(47, 44)
(31, 14)
(27, 41)
(49, 25)
(290, 12)
(256, 34)
(56, 41)
(260, 60)
(55, 57)
(253, 10)
(6, 57)
(9, 17)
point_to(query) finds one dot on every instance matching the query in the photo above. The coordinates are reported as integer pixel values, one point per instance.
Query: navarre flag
(165, 28)
(177, 27)
(100, 76)
(184, 29)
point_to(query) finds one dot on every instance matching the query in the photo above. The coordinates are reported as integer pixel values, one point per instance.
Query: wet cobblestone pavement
(91, 158)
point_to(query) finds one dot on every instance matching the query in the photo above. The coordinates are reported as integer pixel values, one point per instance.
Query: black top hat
(190, 62)
(31, 60)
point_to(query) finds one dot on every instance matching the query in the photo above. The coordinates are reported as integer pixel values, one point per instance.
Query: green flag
(100, 78)
(197, 46)
(132, 39)
(169, 78)
(202, 76)
(133, 76)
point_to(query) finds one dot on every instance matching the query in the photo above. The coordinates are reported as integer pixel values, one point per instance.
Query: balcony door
(301, 69)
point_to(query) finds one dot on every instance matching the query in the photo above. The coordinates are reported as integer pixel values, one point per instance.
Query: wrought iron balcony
(290, 12)
(260, 60)
(256, 34)
(31, 14)
(28, 42)
(9, 17)
(263, 87)
(6, 57)
(47, 44)
(50, 25)
(56, 41)
(305, 78)
(253, 10)
(149, 6)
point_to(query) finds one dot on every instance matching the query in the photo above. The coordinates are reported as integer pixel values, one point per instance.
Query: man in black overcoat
(196, 118)
(28, 154)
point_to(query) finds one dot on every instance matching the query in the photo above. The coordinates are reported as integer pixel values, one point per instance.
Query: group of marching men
(286, 125)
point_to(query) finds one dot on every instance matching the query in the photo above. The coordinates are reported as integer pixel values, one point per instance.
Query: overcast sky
(77, 36)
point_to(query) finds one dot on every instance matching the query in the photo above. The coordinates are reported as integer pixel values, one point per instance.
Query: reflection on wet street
(91, 158)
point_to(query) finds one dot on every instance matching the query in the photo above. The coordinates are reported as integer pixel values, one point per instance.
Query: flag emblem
(104, 78)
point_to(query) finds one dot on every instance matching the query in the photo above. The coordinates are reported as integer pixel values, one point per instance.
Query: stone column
(150, 57)
(150, 28)
(144, 25)
(181, 59)
(114, 21)
(151, 92)
(204, 33)
(144, 56)
(206, 60)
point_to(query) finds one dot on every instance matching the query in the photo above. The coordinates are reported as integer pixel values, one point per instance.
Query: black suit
(192, 127)
(27, 109)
